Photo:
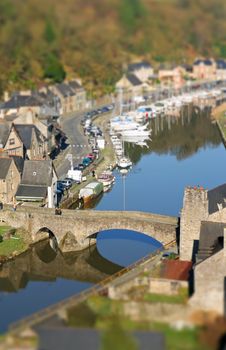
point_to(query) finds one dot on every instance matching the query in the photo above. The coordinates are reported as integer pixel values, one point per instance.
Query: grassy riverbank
(12, 245)
(107, 316)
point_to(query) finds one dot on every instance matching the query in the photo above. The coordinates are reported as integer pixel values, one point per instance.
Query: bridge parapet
(74, 228)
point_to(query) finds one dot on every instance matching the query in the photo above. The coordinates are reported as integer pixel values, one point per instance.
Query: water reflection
(189, 152)
(180, 137)
(42, 263)
(124, 247)
(44, 276)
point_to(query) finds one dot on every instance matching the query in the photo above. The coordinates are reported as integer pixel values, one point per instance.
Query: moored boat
(124, 163)
(106, 178)
(91, 191)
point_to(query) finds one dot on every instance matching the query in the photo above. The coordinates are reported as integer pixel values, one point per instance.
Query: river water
(182, 152)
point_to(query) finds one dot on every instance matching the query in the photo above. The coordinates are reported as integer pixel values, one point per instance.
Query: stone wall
(209, 284)
(166, 286)
(195, 209)
(158, 312)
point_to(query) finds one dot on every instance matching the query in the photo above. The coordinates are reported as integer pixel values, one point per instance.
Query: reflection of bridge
(74, 229)
(44, 264)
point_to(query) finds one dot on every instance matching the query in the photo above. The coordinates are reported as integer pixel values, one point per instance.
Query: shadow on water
(42, 263)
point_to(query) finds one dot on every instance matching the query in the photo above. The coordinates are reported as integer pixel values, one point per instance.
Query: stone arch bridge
(75, 229)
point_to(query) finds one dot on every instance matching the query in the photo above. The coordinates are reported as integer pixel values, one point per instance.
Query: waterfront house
(221, 69)
(172, 75)
(9, 179)
(142, 70)
(26, 141)
(38, 183)
(131, 86)
(204, 69)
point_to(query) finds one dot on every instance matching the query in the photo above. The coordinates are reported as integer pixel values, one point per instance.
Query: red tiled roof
(177, 269)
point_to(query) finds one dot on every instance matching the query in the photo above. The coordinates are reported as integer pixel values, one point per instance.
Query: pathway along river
(185, 151)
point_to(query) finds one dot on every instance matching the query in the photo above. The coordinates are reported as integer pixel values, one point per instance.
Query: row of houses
(58, 99)
(29, 134)
(141, 77)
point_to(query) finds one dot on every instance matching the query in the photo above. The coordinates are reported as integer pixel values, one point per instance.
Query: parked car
(92, 156)
(169, 256)
(80, 167)
(105, 109)
(60, 188)
(86, 161)
(66, 183)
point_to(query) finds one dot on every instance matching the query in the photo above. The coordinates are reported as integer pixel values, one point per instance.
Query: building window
(12, 141)
(34, 173)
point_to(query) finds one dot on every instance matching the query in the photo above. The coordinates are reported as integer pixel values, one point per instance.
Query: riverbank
(219, 116)
(106, 160)
(12, 243)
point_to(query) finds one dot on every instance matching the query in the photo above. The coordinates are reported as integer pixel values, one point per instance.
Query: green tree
(131, 12)
(49, 32)
(53, 69)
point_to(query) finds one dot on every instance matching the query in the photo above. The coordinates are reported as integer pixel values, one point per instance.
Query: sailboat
(123, 161)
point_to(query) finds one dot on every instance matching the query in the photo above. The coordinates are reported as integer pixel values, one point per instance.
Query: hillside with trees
(48, 40)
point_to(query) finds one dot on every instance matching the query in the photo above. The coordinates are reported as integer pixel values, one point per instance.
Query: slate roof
(19, 162)
(221, 64)
(4, 167)
(133, 80)
(206, 62)
(17, 101)
(138, 65)
(4, 132)
(74, 85)
(209, 233)
(65, 90)
(217, 196)
(37, 173)
(25, 133)
(29, 192)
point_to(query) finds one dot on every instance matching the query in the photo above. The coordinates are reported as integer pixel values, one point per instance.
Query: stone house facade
(204, 69)
(142, 70)
(203, 239)
(26, 141)
(9, 179)
(38, 183)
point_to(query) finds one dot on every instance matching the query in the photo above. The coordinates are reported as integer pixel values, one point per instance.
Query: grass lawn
(8, 246)
(185, 339)
(181, 298)
(98, 312)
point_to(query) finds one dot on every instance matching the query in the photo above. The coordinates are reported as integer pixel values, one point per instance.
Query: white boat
(124, 163)
(136, 133)
(106, 178)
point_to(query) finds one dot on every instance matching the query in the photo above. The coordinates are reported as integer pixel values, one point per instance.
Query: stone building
(203, 240)
(142, 70)
(204, 69)
(38, 183)
(9, 179)
(26, 141)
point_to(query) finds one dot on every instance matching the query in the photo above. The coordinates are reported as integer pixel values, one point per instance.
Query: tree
(114, 337)
(53, 69)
